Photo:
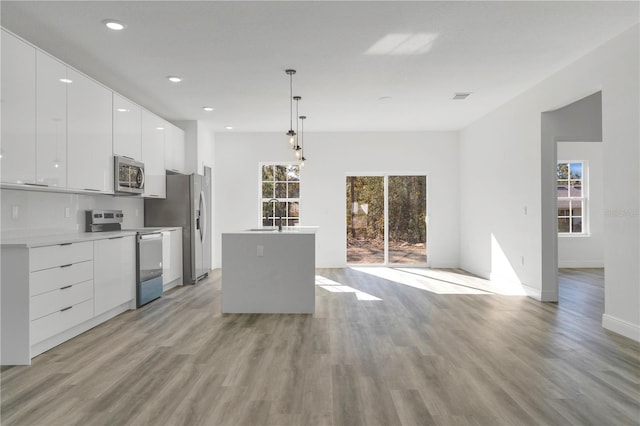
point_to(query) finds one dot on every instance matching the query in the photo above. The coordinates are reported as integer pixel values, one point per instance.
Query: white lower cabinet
(114, 273)
(172, 258)
(52, 293)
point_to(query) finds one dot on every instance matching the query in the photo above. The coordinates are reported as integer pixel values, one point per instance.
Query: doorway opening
(386, 221)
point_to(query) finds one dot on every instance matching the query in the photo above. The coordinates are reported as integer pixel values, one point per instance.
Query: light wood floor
(413, 357)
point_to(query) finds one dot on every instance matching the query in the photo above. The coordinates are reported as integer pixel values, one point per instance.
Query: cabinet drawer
(53, 301)
(60, 276)
(58, 322)
(61, 254)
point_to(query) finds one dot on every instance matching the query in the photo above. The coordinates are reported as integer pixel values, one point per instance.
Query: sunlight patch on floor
(336, 287)
(440, 281)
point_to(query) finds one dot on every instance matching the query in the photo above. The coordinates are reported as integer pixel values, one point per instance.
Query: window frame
(287, 199)
(584, 199)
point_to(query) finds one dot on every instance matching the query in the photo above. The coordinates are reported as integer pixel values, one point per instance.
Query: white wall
(330, 157)
(585, 252)
(500, 165)
(45, 211)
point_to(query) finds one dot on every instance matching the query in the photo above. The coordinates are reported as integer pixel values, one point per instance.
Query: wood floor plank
(422, 354)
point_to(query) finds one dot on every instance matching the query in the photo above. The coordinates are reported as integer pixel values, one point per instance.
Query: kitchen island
(267, 271)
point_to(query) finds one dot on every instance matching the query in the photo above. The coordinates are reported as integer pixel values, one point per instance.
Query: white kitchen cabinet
(172, 258)
(175, 149)
(18, 98)
(47, 292)
(127, 128)
(114, 273)
(153, 155)
(51, 121)
(89, 135)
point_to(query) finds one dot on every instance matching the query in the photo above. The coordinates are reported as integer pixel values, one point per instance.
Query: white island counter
(266, 271)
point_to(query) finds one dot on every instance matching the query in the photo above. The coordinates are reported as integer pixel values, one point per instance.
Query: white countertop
(39, 238)
(286, 230)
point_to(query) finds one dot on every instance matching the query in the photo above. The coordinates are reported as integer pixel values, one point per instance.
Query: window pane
(562, 171)
(563, 224)
(267, 221)
(294, 190)
(281, 190)
(267, 172)
(563, 188)
(294, 210)
(267, 210)
(576, 188)
(365, 224)
(576, 170)
(281, 173)
(293, 173)
(267, 190)
(407, 212)
(576, 224)
(576, 208)
(292, 222)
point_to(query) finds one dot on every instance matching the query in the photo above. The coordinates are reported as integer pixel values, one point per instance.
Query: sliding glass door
(386, 220)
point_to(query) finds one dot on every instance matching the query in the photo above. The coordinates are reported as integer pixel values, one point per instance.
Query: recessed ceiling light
(159, 128)
(228, 127)
(122, 110)
(66, 80)
(208, 109)
(174, 78)
(112, 24)
(460, 96)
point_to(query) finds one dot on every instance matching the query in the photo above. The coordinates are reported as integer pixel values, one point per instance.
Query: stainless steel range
(148, 252)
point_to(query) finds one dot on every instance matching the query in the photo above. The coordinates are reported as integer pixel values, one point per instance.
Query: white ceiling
(233, 54)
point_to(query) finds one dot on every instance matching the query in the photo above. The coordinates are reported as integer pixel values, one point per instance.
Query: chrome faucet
(275, 200)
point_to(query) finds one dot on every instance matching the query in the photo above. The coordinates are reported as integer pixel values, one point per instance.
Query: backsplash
(47, 211)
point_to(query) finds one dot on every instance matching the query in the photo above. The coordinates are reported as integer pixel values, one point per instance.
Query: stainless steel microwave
(129, 175)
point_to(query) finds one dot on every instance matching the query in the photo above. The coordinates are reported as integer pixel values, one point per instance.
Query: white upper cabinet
(153, 146)
(89, 134)
(126, 128)
(175, 149)
(51, 121)
(18, 98)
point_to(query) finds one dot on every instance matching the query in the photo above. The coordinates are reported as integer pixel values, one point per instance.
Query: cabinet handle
(66, 309)
(66, 266)
(66, 244)
(91, 189)
(115, 238)
(66, 287)
(36, 184)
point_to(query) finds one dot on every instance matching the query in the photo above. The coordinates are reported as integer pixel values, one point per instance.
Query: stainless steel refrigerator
(188, 204)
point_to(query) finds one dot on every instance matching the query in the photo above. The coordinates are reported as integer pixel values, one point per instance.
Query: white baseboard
(620, 326)
(580, 264)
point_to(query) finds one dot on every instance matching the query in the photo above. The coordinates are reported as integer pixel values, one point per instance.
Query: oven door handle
(151, 236)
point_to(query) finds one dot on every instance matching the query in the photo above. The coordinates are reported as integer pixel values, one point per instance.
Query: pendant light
(291, 133)
(302, 159)
(296, 147)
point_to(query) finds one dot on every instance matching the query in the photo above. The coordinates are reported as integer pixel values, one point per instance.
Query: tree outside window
(572, 197)
(282, 183)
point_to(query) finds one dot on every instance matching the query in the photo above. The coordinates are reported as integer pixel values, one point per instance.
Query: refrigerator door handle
(203, 216)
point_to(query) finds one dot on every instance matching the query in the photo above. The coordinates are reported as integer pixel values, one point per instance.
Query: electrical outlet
(260, 251)
(67, 212)
(137, 212)
(15, 212)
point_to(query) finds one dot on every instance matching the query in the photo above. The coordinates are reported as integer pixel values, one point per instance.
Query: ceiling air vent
(461, 96)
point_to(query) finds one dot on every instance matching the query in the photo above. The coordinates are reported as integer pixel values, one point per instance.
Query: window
(280, 194)
(572, 197)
